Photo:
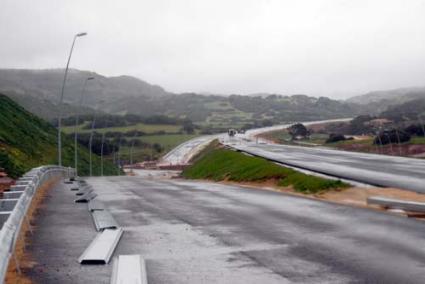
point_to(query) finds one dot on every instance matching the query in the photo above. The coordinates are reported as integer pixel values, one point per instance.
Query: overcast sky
(317, 47)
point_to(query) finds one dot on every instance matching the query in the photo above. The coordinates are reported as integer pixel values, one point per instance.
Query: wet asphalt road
(199, 232)
(381, 170)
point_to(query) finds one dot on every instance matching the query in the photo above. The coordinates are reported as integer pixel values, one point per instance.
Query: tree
(157, 147)
(188, 127)
(391, 136)
(333, 137)
(298, 131)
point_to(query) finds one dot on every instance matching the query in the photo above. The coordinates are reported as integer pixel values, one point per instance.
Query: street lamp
(61, 99)
(76, 125)
(131, 150)
(101, 153)
(118, 156)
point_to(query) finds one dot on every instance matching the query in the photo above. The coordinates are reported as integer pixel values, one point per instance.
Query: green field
(220, 164)
(147, 128)
(167, 142)
(417, 140)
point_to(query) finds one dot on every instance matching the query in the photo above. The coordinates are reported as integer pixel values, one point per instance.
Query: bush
(392, 136)
(298, 130)
(336, 138)
(415, 129)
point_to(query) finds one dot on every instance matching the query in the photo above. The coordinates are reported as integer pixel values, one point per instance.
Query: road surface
(199, 232)
(182, 154)
(381, 170)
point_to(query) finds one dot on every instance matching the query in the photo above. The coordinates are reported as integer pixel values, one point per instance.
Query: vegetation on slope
(27, 141)
(221, 164)
(127, 95)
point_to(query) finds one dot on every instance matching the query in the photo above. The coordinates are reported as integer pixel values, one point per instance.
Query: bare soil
(353, 196)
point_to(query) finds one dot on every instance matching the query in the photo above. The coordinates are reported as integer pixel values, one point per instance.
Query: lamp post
(118, 156)
(131, 150)
(76, 125)
(101, 153)
(90, 144)
(61, 99)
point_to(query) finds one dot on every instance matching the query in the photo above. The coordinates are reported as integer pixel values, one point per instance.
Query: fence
(14, 214)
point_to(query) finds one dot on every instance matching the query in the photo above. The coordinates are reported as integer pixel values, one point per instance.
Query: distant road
(185, 151)
(381, 170)
(253, 132)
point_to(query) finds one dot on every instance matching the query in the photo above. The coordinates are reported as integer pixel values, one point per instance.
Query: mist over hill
(379, 101)
(38, 91)
(46, 84)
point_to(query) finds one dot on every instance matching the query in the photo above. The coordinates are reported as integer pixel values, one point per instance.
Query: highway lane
(185, 151)
(182, 154)
(381, 170)
(200, 232)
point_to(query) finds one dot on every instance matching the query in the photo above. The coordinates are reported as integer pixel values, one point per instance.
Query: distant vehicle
(242, 131)
(231, 132)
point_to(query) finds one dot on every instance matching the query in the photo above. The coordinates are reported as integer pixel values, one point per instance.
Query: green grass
(167, 142)
(147, 128)
(221, 164)
(27, 141)
(417, 140)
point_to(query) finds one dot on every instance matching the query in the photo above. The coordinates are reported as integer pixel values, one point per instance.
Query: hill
(129, 95)
(413, 110)
(27, 141)
(42, 89)
(379, 101)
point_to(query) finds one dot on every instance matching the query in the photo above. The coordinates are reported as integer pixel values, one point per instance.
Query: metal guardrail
(397, 204)
(10, 228)
(129, 269)
(102, 247)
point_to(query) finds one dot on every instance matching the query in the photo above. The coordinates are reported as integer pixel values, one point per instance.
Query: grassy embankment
(27, 141)
(221, 164)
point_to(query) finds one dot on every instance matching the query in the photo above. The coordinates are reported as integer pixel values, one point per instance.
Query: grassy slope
(27, 141)
(222, 164)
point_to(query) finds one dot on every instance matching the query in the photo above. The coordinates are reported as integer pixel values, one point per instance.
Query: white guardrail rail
(12, 216)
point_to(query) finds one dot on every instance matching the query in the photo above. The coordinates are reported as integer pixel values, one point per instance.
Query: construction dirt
(353, 196)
